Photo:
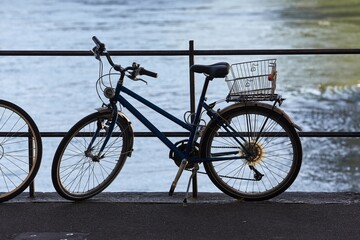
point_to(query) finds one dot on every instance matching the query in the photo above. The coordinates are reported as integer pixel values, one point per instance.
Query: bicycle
(250, 149)
(20, 150)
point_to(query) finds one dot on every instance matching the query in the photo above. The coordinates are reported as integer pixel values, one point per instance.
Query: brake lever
(137, 79)
(96, 53)
(142, 80)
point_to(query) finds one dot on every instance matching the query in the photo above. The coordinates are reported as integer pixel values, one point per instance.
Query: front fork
(100, 125)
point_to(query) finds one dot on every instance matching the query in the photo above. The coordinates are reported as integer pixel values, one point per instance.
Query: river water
(322, 92)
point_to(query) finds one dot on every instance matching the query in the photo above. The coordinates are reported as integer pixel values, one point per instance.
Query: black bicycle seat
(217, 70)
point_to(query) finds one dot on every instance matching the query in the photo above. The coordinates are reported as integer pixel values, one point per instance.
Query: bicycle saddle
(217, 70)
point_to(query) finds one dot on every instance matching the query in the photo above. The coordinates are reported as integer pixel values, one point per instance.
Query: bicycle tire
(271, 139)
(20, 150)
(76, 176)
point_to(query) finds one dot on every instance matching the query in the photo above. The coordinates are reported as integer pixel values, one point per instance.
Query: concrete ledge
(149, 216)
(203, 198)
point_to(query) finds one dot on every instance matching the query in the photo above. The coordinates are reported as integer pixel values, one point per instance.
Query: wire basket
(252, 81)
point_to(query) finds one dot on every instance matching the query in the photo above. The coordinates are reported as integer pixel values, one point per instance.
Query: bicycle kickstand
(193, 174)
(182, 166)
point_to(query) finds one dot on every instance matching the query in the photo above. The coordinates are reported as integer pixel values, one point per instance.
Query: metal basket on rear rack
(252, 81)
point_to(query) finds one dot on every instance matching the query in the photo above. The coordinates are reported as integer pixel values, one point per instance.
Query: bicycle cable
(100, 84)
(188, 115)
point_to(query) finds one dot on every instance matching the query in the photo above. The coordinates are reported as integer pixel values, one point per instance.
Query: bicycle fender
(126, 122)
(130, 130)
(263, 105)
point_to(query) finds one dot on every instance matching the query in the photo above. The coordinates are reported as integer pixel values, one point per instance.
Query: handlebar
(143, 71)
(100, 50)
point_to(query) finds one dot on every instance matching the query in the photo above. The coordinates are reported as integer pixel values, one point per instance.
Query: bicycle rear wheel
(76, 174)
(265, 165)
(20, 150)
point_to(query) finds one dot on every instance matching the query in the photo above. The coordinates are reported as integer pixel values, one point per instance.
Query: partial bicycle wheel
(20, 150)
(263, 152)
(76, 173)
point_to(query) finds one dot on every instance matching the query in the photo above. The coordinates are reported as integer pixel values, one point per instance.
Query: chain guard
(181, 145)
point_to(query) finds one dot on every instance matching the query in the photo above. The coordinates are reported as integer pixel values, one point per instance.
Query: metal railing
(190, 53)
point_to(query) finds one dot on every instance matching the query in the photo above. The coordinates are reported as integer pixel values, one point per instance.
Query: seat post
(202, 98)
(198, 112)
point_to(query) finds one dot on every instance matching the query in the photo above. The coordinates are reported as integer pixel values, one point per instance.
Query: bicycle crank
(181, 145)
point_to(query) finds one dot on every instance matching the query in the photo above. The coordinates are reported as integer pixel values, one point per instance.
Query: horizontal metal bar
(186, 134)
(329, 134)
(278, 52)
(181, 52)
(89, 53)
(136, 134)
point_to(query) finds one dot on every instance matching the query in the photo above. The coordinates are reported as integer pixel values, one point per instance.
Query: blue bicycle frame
(192, 128)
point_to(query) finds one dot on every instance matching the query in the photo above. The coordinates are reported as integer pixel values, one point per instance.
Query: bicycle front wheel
(76, 173)
(20, 150)
(262, 149)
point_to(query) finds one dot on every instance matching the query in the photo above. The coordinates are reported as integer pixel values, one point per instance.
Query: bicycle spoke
(266, 166)
(18, 132)
(78, 170)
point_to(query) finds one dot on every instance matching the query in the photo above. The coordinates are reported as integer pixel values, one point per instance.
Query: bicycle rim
(77, 176)
(20, 150)
(273, 144)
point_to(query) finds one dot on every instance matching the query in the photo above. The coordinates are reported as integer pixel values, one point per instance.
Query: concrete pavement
(158, 216)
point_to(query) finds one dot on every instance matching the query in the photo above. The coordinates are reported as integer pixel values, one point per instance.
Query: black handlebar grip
(143, 71)
(100, 45)
(96, 40)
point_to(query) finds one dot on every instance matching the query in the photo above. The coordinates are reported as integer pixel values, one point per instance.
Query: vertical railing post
(31, 159)
(192, 105)
(192, 79)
